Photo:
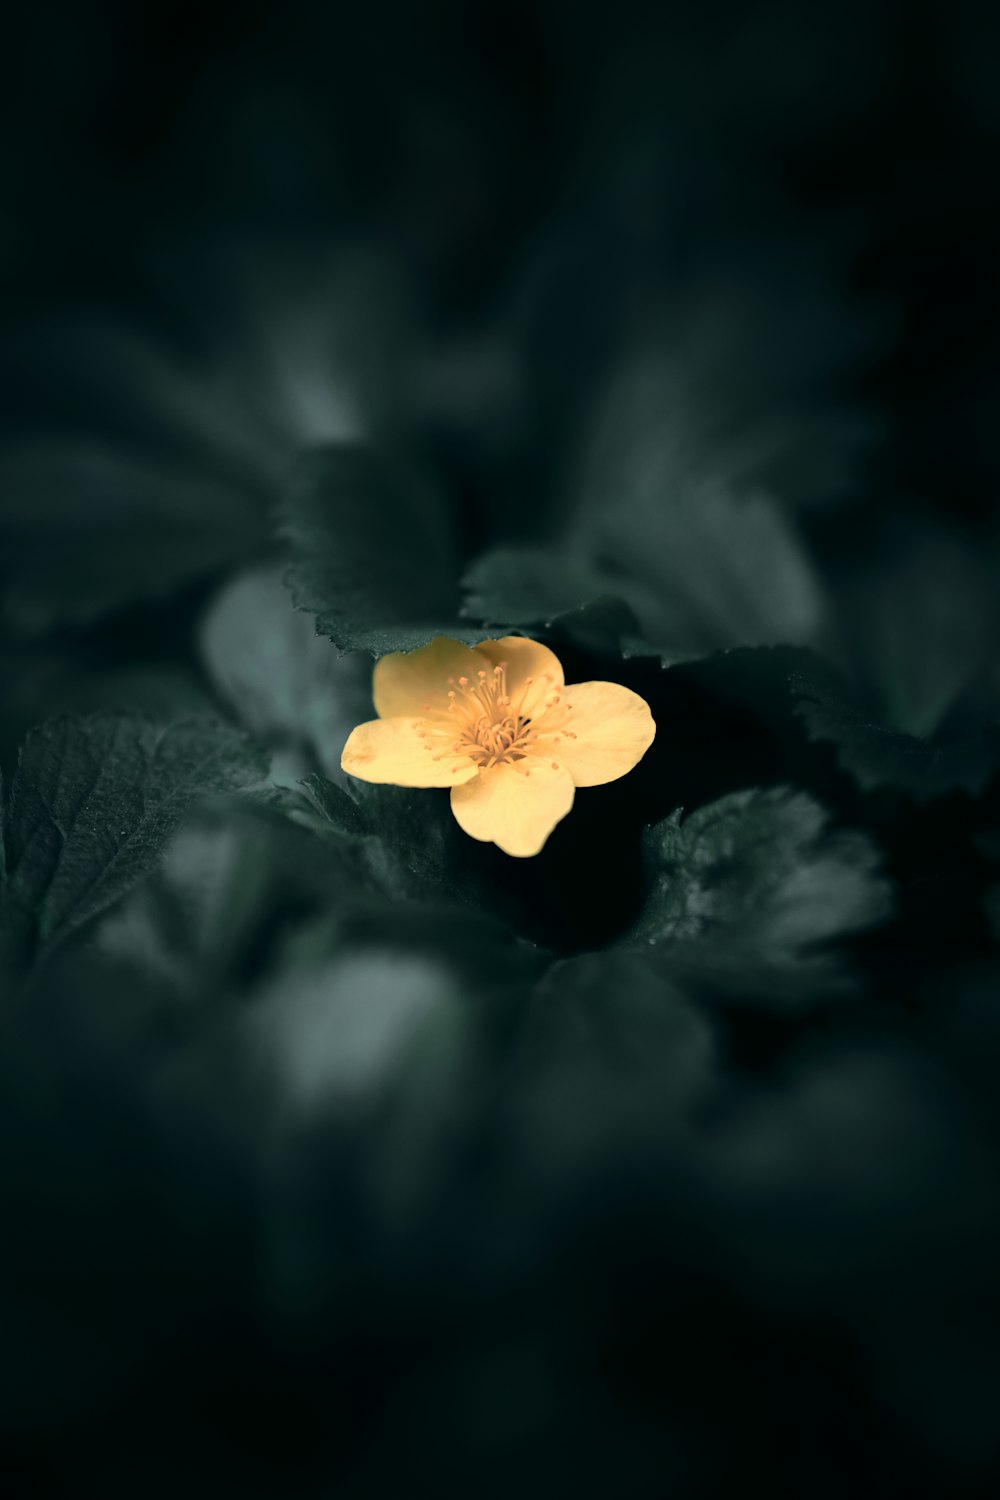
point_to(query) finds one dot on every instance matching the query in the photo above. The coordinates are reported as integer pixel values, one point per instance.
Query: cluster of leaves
(338, 1147)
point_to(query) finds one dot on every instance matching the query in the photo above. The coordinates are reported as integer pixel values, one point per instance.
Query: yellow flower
(497, 724)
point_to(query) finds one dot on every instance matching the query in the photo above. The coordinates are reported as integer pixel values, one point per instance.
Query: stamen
(491, 727)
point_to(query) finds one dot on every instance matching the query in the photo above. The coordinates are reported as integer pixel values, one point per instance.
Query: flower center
(490, 728)
(480, 722)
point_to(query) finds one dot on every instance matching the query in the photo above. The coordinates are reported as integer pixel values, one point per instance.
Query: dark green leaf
(405, 838)
(919, 619)
(156, 460)
(287, 684)
(701, 570)
(93, 802)
(232, 879)
(878, 756)
(372, 553)
(530, 586)
(44, 679)
(749, 891)
(341, 812)
(86, 528)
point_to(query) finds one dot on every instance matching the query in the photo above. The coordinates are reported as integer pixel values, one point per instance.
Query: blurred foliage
(339, 1153)
(746, 890)
(372, 552)
(90, 808)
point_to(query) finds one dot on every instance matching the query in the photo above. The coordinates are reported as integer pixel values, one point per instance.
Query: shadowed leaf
(700, 570)
(91, 807)
(878, 756)
(372, 555)
(749, 892)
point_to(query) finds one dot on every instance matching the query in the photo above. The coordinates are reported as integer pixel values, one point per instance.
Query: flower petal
(514, 805)
(600, 731)
(405, 681)
(392, 751)
(526, 659)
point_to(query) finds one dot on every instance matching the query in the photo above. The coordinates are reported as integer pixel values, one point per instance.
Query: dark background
(613, 1222)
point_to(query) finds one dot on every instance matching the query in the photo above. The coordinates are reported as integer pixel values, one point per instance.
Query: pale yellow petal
(534, 673)
(600, 731)
(405, 681)
(393, 751)
(514, 805)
